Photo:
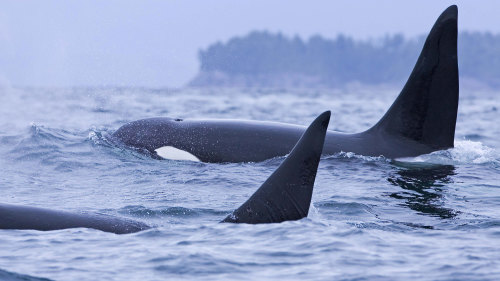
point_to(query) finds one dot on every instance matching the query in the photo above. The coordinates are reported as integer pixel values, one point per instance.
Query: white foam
(362, 157)
(464, 152)
(472, 151)
(172, 153)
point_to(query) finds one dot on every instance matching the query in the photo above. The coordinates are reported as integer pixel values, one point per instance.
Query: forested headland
(263, 59)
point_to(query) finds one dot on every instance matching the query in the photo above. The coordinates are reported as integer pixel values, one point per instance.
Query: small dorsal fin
(286, 194)
(426, 109)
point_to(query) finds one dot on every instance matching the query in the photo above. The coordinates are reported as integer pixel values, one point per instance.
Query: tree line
(344, 59)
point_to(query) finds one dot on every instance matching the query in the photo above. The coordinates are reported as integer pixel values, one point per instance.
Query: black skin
(420, 121)
(23, 217)
(285, 195)
(252, 141)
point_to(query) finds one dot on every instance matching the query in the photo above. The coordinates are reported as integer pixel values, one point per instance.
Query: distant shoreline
(298, 81)
(263, 59)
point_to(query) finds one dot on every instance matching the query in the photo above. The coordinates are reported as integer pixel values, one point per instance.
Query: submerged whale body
(26, 217)
(421, 120)
(285, 195)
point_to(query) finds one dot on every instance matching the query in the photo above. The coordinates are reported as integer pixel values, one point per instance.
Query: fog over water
(155, 43)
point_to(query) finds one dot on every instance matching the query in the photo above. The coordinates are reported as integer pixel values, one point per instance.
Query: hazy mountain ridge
(263, 59)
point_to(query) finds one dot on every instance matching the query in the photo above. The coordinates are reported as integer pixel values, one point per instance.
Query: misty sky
(155, 43)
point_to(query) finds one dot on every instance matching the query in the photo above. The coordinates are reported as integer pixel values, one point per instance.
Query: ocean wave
(464, 152)
(345, 208)
(103, 139)
(12, 276)
(175, 211)
(38, 133)
(99, 137)
(39, 143)
(352, 155)
(369, 213)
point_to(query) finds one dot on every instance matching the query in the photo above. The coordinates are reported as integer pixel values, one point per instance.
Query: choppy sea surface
(432, 217)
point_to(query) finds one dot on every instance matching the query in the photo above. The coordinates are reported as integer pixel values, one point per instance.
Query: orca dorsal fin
(286, 194)
(426, 109)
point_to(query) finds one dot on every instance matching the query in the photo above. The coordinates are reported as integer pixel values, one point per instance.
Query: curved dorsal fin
(426, 108)
(286, 194)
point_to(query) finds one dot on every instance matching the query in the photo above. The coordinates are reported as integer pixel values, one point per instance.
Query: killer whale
(273, 202)
(421, 120)
(285, 195)
(27, 217)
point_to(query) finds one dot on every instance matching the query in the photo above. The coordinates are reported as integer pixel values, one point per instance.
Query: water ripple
(431, 217)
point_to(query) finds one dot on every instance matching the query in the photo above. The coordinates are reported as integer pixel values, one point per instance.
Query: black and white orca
(420, 121)
(285, 195)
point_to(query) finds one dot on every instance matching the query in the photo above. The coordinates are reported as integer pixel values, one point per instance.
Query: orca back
(25, 217)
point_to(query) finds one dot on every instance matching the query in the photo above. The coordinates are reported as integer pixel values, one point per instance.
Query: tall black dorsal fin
(426, 108)
(286, 194)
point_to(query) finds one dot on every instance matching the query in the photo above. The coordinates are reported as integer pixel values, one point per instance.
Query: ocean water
(432, 217)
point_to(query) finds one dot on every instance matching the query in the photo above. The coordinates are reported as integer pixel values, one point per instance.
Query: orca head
(149, 134)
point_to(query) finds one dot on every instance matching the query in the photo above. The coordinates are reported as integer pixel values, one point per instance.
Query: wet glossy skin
(252, 141)
(285, 195)
(24, 217)
(421, 120)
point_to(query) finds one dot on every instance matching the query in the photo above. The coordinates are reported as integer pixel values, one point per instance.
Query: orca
(27, 217)
(285, 195)
(421, 120)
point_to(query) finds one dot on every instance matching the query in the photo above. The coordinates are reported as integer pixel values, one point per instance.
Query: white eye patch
(172, 153)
